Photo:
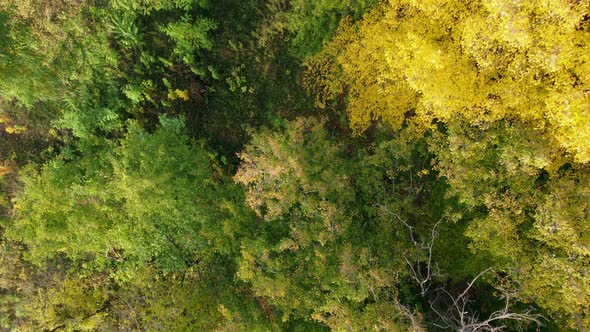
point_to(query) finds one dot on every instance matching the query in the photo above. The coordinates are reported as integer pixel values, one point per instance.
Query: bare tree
(421, 271)
(457, 315)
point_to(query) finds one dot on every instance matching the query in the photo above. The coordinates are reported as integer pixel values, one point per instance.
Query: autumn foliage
(304, 165)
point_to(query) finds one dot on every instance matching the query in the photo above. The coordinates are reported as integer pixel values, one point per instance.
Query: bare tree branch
(423, 280)
(457, 315)
(459, 318)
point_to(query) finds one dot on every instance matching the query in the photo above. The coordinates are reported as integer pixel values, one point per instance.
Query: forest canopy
(303, 165)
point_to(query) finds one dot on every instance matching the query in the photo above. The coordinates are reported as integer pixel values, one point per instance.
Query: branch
(422, 280)
(459, 318)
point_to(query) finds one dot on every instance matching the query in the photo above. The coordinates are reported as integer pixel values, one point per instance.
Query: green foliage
(148, 6)
(136, 203)
(447, 138)
(98, 111)
(306, 24)
(306, 256)
(190, 36)
(497, 96)
(199, 298)
(125, 30)
(11, 278)
(25, 77)
(282, 171)
(72, 303)
(529, 221)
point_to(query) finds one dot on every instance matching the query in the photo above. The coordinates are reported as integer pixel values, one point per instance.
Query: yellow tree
(482, 60)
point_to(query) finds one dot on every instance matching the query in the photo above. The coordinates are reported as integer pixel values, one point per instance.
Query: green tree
(134, 202)
(309, 255)
(524, 215)
(25, 77)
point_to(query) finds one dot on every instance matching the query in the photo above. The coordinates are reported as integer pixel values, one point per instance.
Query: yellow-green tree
(314, 254)
(134, 202)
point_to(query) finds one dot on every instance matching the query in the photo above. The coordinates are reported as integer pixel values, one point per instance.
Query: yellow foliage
(277, 171)
(10, 127)
(182, 94)
(175, 94)
(15, 129)
(488, 60)
(5, 170)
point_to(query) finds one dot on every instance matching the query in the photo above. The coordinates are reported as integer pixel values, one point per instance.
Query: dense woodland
(294, 165)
